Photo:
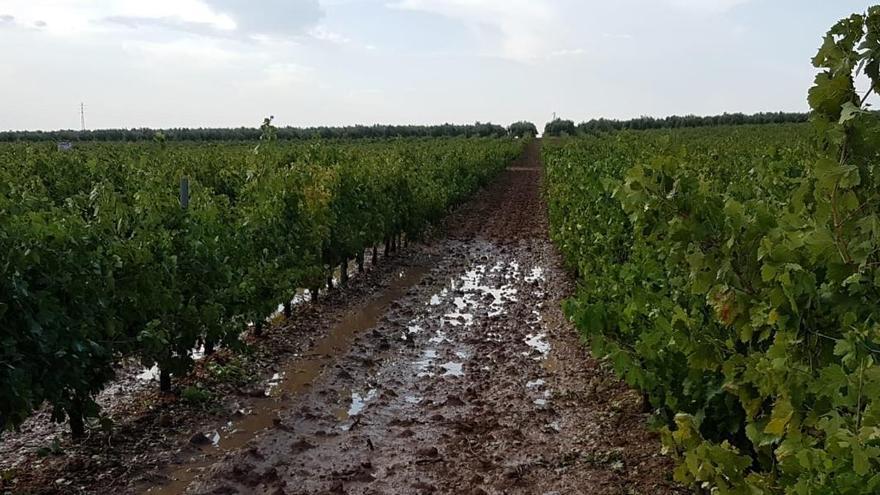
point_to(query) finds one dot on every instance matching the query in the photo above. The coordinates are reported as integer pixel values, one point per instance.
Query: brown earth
(446, 369)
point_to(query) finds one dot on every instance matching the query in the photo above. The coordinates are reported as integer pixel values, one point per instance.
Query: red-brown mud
(450, 370)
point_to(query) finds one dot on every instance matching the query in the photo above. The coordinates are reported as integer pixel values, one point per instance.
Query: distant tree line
(478, 129)
(606, 125)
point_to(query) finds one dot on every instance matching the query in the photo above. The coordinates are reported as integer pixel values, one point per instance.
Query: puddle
(536, 275)
(428, 357)
(296, 377)
(273, 383)
(149, 374)
(538, 342)
(452, 369)
(542, 401)
(357, 404)
(152, 374)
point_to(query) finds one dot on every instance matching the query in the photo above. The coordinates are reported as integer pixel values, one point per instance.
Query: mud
(450, 370)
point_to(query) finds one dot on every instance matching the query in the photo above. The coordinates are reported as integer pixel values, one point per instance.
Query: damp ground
(448, 368)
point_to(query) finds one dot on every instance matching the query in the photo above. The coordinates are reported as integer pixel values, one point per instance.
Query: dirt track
(471, 382)
(447, 368)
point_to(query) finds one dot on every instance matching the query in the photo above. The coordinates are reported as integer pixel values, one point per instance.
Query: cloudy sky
(166, 63)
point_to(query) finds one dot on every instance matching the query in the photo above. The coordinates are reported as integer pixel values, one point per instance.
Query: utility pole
(82, 115)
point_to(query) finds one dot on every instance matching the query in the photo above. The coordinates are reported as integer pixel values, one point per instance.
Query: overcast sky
(170, 63)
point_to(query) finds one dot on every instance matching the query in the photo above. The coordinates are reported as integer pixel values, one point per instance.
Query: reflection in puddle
(149, 374)
(359, 402)
(152, 373)
(538, 342)
(452, 369)
(542, 401)
(428, 357)
(356, 406)
(536, 275)
(273, 383)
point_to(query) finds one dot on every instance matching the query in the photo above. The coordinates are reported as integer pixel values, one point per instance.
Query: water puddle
(452, 369)
(152, 374)
(356, 404)
(424, 362)
(359, 402)
(296, 377)
(538, 343)
(545, 397)
(536, 275)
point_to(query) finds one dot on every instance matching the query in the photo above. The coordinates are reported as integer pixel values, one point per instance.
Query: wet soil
(447, 369)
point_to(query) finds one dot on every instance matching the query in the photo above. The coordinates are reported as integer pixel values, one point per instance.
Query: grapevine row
(733, 275)
(100, 260)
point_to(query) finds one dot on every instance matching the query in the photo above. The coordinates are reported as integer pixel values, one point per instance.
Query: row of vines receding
(733, 275)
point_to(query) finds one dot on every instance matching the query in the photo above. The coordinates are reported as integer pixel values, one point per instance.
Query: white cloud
(707, 6)
(271, 17)
(322, 33)
(523, 28)
(286, 74)
(69, 17)
(567, 52)
(193, 53)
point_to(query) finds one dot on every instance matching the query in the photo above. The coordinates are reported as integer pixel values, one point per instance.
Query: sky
(229, 63)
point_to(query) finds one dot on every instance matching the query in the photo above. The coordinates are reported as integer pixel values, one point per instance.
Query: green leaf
(780, 417)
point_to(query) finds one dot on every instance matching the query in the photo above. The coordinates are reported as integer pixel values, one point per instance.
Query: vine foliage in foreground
(734, 276)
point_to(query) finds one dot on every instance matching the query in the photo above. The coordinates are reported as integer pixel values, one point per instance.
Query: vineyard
(732, 275)
(157, 249)
(552, 315)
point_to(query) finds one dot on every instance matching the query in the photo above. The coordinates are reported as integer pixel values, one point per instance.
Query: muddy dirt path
(460, 376)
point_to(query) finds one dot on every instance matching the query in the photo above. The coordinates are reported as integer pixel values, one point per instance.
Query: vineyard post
(184, 192)
(164, 374)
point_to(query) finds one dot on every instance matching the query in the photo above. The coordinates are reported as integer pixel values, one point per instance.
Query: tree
(560, 127)
(522, 129)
